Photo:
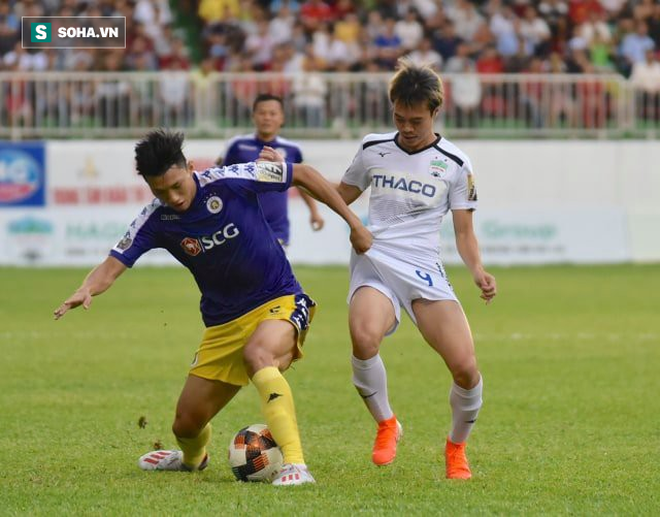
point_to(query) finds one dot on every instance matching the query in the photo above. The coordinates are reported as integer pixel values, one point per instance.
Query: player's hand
(316, 221)
(486, 282)
(268, 154)
(361, 239)
(80, 297)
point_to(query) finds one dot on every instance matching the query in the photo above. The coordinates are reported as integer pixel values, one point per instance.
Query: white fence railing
(63, 105)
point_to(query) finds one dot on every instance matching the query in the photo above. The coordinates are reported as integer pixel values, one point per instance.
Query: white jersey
(411, 193)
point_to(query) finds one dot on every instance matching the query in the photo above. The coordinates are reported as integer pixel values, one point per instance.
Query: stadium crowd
(489, 36)
(291, 36)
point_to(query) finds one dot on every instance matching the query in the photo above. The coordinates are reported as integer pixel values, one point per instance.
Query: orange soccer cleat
(457, 463)
(389, 433)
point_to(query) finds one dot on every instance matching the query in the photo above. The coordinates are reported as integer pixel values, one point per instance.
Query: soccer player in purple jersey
(268, 118)
(255, 312)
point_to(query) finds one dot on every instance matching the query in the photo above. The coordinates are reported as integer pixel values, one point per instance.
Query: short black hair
(264, 97)
(413, 84)
(159, 150)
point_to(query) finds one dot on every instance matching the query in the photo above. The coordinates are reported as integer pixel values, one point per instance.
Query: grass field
(570, 425)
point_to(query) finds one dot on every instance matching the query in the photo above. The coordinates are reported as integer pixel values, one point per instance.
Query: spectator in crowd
(309, 91)
(446, 41)
(425, 55)
(634, 46)
(646, 79)
(409, 31)
(465, 90)
(388, 45)
(313, 13)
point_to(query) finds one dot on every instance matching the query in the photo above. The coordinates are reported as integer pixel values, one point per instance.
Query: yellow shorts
(220, 355)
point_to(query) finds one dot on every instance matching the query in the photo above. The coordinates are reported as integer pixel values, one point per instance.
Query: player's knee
(186, 425)
(366, 342)
(257, 357)
(465, 372)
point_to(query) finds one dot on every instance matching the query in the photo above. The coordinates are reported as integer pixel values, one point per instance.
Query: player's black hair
(263, 97)
(413, 85)
(159, 150)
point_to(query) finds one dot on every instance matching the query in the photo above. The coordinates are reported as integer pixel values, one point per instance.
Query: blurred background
(557, 103)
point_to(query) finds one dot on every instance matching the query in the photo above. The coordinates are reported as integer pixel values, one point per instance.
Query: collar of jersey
(273, 141)
(432, 144)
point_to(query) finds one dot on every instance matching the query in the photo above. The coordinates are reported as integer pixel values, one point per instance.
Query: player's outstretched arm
(468, 249)
(315, 218)
(97, 281)
(311, 180)
(348, 193)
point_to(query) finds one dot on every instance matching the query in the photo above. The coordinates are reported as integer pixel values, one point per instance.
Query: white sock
(370, 379)
(465, 405)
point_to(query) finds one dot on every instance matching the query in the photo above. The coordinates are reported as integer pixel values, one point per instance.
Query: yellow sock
(279, 412)
(194, 449)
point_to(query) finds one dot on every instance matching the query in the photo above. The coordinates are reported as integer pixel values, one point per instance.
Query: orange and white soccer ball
(254, 455)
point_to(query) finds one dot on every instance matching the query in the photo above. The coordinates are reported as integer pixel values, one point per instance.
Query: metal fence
(103, 105)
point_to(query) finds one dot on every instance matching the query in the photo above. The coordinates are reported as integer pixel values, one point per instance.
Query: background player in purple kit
(255, 312)
(268, 118)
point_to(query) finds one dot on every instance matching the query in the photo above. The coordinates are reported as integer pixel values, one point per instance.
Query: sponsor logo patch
(214, 204)
(437, 167)
(472, 188)
(125, 242)
(191, 246)
(270, 172)
(194, 246)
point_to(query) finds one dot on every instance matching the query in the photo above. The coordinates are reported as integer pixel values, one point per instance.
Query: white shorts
(402, 282)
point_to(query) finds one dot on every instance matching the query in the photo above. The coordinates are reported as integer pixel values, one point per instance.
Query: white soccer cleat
(168, 460)
(293, 474)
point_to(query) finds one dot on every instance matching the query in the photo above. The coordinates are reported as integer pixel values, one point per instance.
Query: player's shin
(194, 449)
(465, 405)
(279, 411)
(370, 380)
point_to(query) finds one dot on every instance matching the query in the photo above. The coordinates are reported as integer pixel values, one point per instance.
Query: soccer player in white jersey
(415, 176)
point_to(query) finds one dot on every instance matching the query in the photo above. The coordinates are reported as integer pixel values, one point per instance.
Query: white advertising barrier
(79, 237)
(540, 202)
(506, 237)
(94, 173)
(67, 236)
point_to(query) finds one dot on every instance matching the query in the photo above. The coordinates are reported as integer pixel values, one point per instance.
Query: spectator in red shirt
(490, 62)
(314, 12)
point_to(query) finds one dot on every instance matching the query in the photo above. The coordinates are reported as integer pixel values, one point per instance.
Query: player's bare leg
(199, 402)
(371, 315)
(445, 328)
(268, 352)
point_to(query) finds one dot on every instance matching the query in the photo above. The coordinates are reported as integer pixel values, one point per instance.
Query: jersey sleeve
(463, 190)
(357, 174)
(140, 237)
(298, 156)
(251, 177)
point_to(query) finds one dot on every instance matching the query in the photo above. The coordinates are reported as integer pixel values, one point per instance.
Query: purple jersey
(223, 239)
(246, 148)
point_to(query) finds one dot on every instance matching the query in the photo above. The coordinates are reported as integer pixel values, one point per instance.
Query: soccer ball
(254, 455)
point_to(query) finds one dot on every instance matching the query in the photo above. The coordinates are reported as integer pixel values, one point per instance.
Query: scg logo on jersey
(194, 246)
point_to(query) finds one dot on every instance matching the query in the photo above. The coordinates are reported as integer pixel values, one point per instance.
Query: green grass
(570, 357)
